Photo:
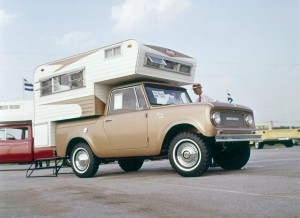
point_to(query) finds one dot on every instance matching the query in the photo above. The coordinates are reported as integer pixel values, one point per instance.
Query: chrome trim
(279, 139)
(237, 137)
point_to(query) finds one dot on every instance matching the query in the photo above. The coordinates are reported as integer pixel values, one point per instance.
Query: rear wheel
(84, 163)
(234, 156)
(131, 165)
(189, 155)
(289, 143)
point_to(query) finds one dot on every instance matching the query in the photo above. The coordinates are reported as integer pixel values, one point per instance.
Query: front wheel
(234, 156)
(189, 155)
(84, 163)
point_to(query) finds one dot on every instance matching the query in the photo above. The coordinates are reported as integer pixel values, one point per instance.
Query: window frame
(113, 52)
(162, 65)
(70, 81)
(111, 110)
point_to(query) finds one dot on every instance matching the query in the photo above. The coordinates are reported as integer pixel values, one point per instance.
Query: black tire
(289, 144)
(84, 163)
(234, 157)
(259, 145)
(131, 165)
(189, 155)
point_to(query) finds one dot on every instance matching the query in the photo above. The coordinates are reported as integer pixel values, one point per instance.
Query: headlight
(249, 120)
(216, 118)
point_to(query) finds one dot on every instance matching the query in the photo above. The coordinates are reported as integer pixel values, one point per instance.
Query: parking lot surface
(269, 186)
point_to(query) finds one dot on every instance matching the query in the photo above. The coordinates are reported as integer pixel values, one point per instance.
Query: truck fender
(188, 122)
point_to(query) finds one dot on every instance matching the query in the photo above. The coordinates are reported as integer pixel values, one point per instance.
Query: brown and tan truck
(117, 103)
(272, 136)
(139, 124)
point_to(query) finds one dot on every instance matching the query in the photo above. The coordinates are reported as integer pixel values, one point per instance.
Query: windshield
(164, 95)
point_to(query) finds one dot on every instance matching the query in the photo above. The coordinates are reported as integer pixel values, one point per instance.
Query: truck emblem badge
(170, 52)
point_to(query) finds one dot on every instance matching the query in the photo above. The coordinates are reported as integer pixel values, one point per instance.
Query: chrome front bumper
(237, 137)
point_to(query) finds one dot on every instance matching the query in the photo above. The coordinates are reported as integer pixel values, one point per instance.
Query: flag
(27, 85)
(229, 98)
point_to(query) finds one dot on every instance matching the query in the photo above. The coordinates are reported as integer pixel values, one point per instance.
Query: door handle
(108, 120)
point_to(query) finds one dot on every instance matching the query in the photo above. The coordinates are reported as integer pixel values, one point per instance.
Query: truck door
(15, 144)
(126, 124)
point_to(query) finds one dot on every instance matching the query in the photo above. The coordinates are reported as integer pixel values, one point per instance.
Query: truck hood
(225, 105)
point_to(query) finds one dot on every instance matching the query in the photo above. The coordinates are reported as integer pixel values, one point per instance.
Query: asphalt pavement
(269, 186)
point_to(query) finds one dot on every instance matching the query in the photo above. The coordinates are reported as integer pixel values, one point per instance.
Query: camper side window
(112, 52)
(46, 87)
(62, 83)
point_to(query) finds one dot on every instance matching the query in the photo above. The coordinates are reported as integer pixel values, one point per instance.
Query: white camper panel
(78, 86)
(15, 112)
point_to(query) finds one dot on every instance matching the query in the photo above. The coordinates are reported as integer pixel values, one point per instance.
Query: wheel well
(175, 130)
(72, 143)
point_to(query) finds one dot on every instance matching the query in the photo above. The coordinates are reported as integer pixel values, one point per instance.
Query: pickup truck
(141, 121)
(271, 136)
(17, 145)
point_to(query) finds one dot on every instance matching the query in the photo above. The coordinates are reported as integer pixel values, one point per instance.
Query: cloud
(5, 18)
(76, 38)
(227, 81)
(147, 14)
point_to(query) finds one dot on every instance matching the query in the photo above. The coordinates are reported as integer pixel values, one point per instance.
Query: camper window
(164, 64)
(4, 107)
(155, 61)
(63, 83)
(14, 106)
(185, 69)
(76, 80)
(46, 87)
(171, 65)
(112, 52)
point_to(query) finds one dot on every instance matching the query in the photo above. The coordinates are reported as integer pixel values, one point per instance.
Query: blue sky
(250, 48)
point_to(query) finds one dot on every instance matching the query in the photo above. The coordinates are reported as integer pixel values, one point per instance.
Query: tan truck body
(143, 133)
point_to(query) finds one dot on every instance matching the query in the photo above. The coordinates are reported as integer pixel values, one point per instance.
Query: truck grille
(232, 119)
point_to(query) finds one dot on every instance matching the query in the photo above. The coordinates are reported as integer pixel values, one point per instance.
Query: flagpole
(23, 89)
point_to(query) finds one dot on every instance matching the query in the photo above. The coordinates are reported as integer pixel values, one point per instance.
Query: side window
(127, 100)
(16, 133)
(141, 98)
(46, 87)
(64, 82)
(2, 134)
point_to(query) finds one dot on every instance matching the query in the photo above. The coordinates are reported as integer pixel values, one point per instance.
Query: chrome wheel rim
(81, 160)
(187, 155)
